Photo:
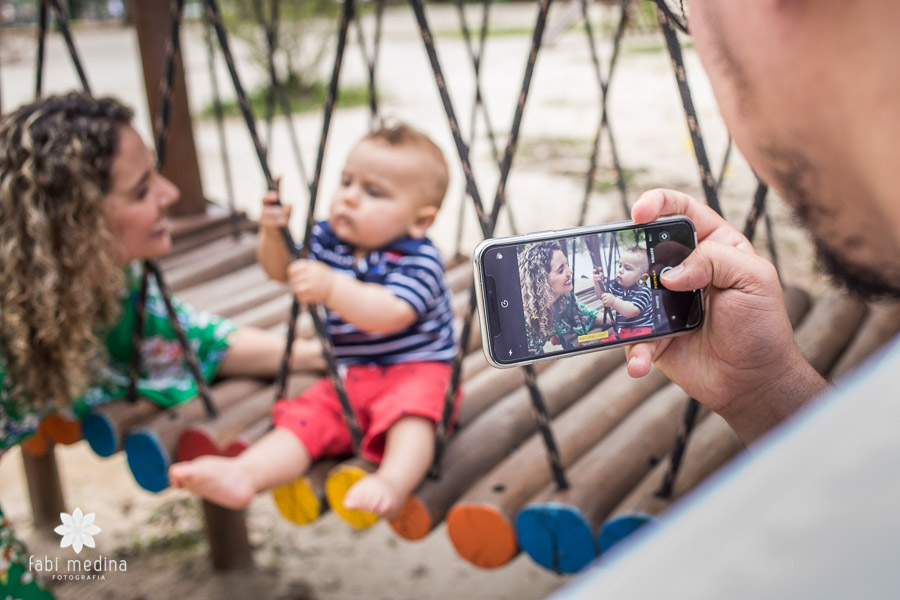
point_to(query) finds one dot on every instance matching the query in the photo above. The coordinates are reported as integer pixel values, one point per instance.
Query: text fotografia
(76, 569)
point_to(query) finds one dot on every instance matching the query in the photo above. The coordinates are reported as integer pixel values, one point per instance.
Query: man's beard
(861, 280)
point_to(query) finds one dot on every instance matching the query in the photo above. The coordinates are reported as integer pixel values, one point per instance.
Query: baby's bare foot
(220, 480)
(374, 494)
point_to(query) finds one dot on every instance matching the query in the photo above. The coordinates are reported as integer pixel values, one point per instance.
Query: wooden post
(486, 441)
(481, 525)
(44, 488)
(151, 21)
(226, 530)
(829, 327)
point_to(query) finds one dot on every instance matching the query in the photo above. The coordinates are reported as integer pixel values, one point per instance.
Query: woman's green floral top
(570, 315)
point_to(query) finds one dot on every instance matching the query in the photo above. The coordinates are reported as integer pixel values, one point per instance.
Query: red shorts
(628, 332)
(379, 395)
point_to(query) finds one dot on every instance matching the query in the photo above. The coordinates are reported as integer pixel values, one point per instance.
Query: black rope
(486, 221)
(167, 84)
(725, 160)
(604, 119)
(371, 61)
(62, 22)
(189, 358)
(42, 43)
(667, 24)
(220, 129)
(756, 210)
(214, 16)
(540, 414)
(140, 308)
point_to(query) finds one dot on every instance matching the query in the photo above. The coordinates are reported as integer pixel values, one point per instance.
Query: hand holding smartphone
(550, 294)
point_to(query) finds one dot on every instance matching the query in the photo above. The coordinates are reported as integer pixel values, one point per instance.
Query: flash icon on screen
(510, 351)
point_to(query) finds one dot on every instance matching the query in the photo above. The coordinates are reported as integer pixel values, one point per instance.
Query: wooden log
(212, 262)
(269, 314)
(557, 528)
(151, 446)
(250, 434)
(487, 440)
(712, 444)
(44, 488)
(303, 501)
(212, 437)
(339, 481)
(206, 293)
(459, 277)
(485, 387)
(829, 327)
(226, 531)
(214, 230)
(882, 324)
(481, 525)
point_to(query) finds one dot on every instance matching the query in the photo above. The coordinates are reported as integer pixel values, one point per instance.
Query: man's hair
(60, 278)
(400, 134)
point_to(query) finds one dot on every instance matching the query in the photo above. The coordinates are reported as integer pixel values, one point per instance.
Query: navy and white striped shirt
(641, 297)
(412, 270)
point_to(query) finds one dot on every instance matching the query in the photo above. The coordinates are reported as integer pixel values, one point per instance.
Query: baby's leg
(278, 458)
(408, 453)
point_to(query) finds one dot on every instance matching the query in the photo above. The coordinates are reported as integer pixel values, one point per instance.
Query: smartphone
(555, 293)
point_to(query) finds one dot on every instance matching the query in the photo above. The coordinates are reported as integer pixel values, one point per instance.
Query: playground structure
(604, 436)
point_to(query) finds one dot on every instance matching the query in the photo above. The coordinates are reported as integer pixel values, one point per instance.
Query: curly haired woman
(81, 203)
(552, 311)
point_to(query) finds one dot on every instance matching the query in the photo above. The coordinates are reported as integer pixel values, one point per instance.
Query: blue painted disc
(616, 530)
(556, 536)
(100, 433)
(148, 460)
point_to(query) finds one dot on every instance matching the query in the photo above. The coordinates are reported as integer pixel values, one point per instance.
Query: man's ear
(424, 219)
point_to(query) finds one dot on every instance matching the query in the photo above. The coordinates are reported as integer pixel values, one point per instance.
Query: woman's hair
(60, 279)
(537, 297)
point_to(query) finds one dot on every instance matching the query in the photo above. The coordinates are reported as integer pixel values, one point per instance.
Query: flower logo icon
(78, 530)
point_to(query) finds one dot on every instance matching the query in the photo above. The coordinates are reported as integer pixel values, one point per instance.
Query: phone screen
(550, 294)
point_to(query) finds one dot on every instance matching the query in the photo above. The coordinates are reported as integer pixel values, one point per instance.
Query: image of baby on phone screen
(632, 301)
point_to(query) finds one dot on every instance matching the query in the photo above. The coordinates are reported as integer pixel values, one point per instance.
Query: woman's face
(560, 275)
(136, 204)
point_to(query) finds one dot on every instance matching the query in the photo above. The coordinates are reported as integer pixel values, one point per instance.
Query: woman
(81, 203)
(553, 313)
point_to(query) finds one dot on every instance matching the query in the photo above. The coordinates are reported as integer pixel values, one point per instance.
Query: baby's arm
(270, 250)
(368, 306)
(627, 309)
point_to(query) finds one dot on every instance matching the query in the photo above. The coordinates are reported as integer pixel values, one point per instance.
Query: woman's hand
(743, 362)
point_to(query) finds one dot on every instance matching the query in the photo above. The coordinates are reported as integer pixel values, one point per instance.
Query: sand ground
(160, 536)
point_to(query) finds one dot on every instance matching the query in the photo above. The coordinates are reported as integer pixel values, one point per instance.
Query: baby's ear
(424, 219)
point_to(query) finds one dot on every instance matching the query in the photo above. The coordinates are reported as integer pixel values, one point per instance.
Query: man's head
(632, 267)
(809, 90)
(392, 186)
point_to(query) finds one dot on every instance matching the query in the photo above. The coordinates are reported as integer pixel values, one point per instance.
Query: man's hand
(743, 362)
(311, 281)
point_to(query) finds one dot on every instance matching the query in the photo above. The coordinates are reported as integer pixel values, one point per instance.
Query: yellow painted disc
(339, 481)
(297, 502)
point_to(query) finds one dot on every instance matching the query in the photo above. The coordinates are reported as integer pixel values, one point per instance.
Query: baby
(389, 317)
(631, 301)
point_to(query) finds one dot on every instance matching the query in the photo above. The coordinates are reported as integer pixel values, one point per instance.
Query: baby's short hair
(398, 134)
(641, 255)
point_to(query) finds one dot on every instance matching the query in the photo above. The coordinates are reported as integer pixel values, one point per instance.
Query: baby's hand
(274, 216)
(608, 300)
(599, 277)
(311, 281)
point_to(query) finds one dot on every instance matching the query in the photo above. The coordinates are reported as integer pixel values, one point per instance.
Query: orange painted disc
(413, 522)
(61, 429)
(482, 535)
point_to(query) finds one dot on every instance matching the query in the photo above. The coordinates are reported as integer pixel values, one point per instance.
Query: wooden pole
(486, 441)
(557, 528)
(829, 327)
(151, 22)
(44, 488)
(481, 525)
(226, 531)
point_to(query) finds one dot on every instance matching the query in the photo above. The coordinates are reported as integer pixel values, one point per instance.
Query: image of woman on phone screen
(554, 316)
